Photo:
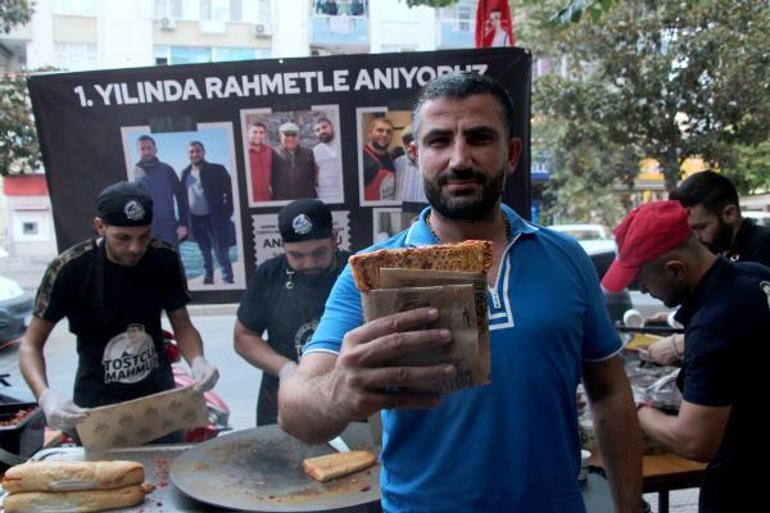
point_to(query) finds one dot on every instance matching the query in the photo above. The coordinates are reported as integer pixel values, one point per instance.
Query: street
(238, 382)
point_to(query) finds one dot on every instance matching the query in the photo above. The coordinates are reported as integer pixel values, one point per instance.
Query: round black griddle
(260, 469)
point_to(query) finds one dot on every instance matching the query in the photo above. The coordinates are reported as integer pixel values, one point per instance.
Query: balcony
(343, 28)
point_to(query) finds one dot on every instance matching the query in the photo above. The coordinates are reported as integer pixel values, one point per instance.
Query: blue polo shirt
(511, 445)
(727, 321)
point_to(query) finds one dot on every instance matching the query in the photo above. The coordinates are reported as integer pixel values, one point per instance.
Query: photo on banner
(381, 146)
(191, 178)
(288, 165)
(387, 222)
(267, 237)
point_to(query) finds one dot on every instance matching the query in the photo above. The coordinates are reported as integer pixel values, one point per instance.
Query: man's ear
(515, 147)
(676, 270)
(99, 226)
(730, 214)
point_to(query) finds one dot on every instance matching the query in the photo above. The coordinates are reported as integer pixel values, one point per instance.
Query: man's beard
(722, 239)
(677, 297)
(379, 147)
(465, 208)
(325, 137)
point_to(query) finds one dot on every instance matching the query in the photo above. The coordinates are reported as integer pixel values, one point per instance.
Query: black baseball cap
(305, 219)
(125, 204)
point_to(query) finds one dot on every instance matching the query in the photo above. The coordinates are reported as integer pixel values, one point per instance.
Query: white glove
(61, 413)
(665, 350)
(204, 373)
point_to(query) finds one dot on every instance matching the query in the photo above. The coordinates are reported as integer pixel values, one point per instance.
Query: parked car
(15, 311)
(761, 218)
(597, 241)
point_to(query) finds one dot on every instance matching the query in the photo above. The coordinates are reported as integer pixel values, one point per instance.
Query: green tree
(19, 150)
(670, 80)
(13, 13)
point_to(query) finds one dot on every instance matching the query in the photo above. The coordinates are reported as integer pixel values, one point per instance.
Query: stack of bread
(73, 486)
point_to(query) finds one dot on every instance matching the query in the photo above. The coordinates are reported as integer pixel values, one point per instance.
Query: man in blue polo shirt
(725, 308)
(510, 446)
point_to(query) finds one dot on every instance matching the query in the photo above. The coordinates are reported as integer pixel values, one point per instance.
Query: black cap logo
(134, 210)
(302, 224)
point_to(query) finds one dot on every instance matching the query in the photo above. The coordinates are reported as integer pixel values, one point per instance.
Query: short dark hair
(708, 189)
(197, 143)
(323, 119)
(147, 138)
(259, 124)
(379, 119)
(460, 85)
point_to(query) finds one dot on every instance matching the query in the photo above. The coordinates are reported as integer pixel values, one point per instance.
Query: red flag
(490, 32)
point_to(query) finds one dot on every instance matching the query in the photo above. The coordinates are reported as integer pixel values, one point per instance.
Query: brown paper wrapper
(141, 420)
(461, 300)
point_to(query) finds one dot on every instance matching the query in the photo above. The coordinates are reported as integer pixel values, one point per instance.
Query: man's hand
(61, 413)
(658, 318)
(667, 351)
(364, 380)
(181, 232)
(205, 374)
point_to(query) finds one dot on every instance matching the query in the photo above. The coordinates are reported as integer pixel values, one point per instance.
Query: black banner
(96, 128)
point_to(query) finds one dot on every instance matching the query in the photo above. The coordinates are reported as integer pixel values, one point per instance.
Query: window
(197, 54)
(464, 17)
(189, 55)
(232, 54)
(162, 55)
(264, 11)
(168, 9)
(398, 48)
(75, 7)
(220, 10)
(461, 16)
(29, 228)
(76, 56)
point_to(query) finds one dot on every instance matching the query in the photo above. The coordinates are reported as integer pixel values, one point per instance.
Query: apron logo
(130, 356)
(304, 334)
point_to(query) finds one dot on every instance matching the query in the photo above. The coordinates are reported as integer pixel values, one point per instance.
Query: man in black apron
(286, 298)
(113, 291)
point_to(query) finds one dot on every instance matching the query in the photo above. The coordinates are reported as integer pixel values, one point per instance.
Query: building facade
(80, 35)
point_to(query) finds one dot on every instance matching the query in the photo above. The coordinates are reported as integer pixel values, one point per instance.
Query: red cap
(647, 233)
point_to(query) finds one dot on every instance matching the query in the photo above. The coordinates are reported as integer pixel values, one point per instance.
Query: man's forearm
(305, 409)
(620, 445)
(252, 348)
(663, 430)
(32, 365)
(190, 343)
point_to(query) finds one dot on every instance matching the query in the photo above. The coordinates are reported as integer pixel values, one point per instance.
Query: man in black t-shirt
(286, 298)
(715, 219)
(725, 308)
(113, 291)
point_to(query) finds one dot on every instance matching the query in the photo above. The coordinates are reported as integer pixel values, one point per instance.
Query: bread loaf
(61, 476)
(472, 256)
(324, 468)
(75, 502)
